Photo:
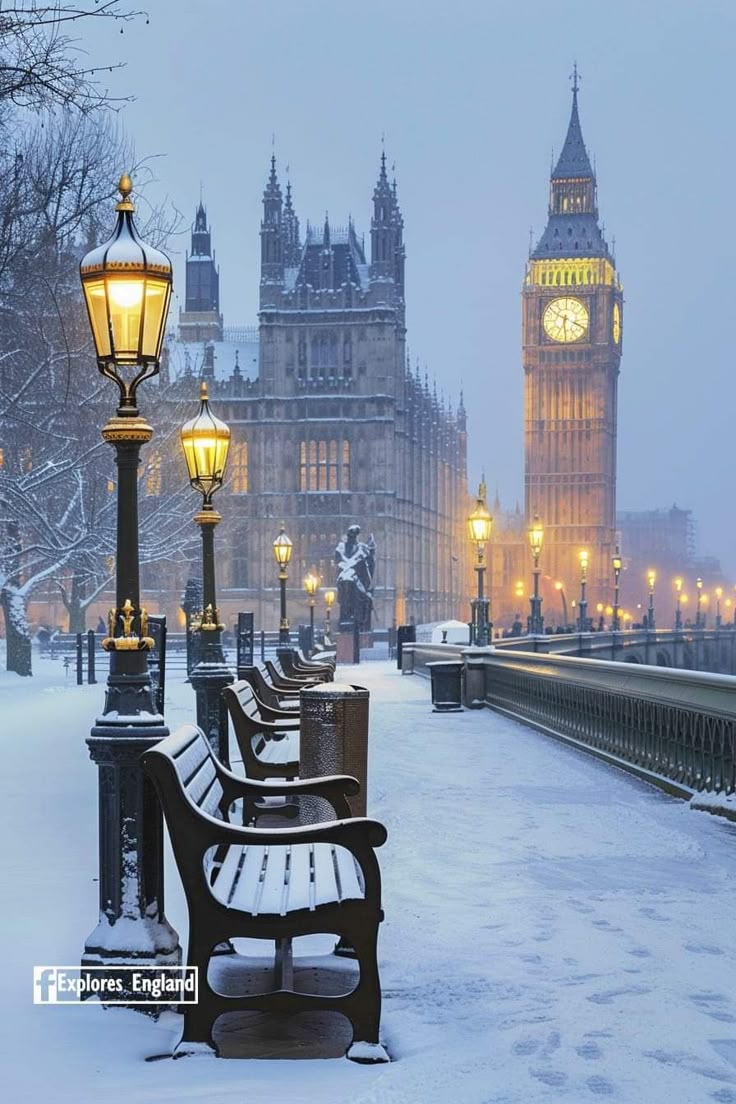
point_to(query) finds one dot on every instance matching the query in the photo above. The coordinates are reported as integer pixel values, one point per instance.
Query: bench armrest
(333, 788)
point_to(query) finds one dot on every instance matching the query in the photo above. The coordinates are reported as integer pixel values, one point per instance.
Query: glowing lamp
(127, 288)
(480, 520)
(536, 536)
(329, 598)
(311, 584)
(282, 549)
(206, 443)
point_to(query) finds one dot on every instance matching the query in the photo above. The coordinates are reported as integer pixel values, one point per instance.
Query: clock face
(565, 319)
(616, 323)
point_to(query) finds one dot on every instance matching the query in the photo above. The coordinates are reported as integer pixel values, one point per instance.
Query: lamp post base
(209, 679)
(132, 928)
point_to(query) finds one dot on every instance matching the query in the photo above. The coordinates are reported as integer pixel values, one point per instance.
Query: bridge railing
(676, 728)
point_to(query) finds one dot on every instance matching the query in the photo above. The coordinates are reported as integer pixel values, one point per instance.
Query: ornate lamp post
(678, 604)
(617, 564)
(584, 558)
(719, 594)
(480, 523)
(329, 603)
(282, 554)
(206, 442)
(651, 579)
(127, 288)
(311, 585)
(536, 539)
(699, 606)
(560, 588)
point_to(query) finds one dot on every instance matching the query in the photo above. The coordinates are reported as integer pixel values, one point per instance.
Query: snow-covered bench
(269, 883)
(268, 739)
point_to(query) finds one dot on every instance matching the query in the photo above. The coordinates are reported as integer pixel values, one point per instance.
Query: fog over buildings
(471, 99)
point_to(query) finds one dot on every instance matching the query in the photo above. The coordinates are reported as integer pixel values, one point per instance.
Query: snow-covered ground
(555, 930)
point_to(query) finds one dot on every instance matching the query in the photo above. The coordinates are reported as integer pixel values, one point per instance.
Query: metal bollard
(333, 740)
(80, 668)
(91, 680)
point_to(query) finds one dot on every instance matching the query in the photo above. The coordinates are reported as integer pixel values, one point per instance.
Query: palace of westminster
(331, 426)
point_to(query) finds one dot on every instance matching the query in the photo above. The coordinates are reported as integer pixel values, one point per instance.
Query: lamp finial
(125, 187)
(203, 393)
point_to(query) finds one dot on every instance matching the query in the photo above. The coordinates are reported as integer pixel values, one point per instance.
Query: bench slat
(299, 889)
(276, 752)
(348, 874)
(272, 883)
(325, 884)
(192, 757)
(228, 874)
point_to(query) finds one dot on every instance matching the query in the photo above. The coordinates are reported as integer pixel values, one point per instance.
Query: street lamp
(536, 539)
(311, 585)
(329, 603)
(282, 554)
(560, 588)
(651, 579)
(584, 558)
(617, 564)
(719, 594)
(678, 604)
(127, 287)
(480, 524)
(699, 606)
(206, 443)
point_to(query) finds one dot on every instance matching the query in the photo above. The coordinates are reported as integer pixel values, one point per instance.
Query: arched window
(239, 467)
(345, 481)
(324, 465)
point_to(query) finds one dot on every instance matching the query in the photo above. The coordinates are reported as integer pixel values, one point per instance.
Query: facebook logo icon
(44, 985)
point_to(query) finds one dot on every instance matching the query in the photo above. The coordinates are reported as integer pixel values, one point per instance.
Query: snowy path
(581, 947)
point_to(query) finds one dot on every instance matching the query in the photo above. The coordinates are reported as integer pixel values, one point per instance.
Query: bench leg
(196, 1037)
(365, 1013)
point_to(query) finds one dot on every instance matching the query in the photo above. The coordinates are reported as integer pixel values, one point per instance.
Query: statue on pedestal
(355, 562)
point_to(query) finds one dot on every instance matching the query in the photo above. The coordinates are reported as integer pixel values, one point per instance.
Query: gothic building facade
(330, 426)
(571, 341)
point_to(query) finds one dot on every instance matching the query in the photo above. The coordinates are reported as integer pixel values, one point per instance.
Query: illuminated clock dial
(616, 323)
(565, 319)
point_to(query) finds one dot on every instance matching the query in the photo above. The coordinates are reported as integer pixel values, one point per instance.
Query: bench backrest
(189, 753)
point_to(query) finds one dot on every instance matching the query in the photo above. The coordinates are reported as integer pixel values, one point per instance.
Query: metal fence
(674, 728)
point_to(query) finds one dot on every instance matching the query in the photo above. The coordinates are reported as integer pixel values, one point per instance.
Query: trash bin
(405, 634)
(447, 683)
(333, 740)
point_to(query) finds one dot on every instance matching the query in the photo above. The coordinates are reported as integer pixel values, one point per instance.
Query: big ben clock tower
(571, 337)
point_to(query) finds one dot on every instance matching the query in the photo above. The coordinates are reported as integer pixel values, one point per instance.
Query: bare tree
(42, 64)
(56, 509)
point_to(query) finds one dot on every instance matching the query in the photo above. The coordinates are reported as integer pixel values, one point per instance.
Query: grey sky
(472, 97)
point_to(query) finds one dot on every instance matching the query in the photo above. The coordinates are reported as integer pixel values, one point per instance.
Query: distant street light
(651, 579)
(617, 564)
(699, 620)
(329, 603)
(311, 585)
(282, 548)
(584, 558)
(480, 523)
(560, 588)
(719, 594)
(205, 440)
(536, 539)
(678, 604)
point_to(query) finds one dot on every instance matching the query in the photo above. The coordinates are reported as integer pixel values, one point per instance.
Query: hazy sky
(472, 97)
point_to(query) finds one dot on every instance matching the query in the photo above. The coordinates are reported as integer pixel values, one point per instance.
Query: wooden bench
(265, 692)
(281, 681)
(292, 664)
(269, 883)
(269, 748)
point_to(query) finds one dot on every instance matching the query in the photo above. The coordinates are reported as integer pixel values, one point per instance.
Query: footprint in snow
(703, 948)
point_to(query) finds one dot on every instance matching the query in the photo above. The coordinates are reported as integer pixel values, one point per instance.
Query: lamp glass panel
(94, 293)
(479, 527)
(157, 301)
(125, 297)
